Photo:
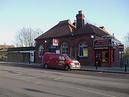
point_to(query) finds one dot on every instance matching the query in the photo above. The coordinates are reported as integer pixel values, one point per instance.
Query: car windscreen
(69, 57)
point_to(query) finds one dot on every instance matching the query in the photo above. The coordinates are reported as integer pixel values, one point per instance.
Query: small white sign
(55, 42)
(57, 51)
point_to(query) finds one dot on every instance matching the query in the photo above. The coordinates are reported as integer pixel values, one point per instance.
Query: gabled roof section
(92, 29)
(86, 29)
(63, 28)
(98, 31)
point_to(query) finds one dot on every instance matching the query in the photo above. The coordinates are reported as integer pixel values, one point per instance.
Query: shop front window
(113, 56)
(64, 48)
(83, 50)
(40, 51)
(105, 56)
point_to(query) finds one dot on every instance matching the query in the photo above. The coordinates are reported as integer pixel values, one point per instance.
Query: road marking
(91, 91)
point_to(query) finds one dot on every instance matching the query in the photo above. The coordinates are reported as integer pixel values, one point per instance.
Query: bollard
(96, 65)
(125, 67)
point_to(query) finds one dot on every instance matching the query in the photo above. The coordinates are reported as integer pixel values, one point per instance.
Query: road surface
(31, 82)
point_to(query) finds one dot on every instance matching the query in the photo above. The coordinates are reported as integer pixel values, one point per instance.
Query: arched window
(83, 50)
(40, 51)
(64, 48)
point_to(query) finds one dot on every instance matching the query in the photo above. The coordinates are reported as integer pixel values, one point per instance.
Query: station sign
(99, 43)
(55, 42)
(121, 47)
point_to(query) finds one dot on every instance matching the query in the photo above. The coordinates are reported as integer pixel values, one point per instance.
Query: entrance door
(102, 57)
(98, 57)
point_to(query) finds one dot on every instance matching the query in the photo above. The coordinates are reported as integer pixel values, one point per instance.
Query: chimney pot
(80, 12)
(80, 20)
(102, 27)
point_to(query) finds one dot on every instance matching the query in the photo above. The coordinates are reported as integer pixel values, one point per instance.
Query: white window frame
(84, 47)
(65, 46)
(40, 50)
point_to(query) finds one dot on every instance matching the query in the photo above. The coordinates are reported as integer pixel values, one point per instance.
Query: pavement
(106, 69)
(83, 68)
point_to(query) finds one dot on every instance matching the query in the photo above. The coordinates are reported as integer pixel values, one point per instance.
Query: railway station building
(84, 41)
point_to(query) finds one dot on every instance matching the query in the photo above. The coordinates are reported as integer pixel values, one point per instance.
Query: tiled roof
(21, 49)
(6, 46)
(91, 29)
(98, 31)
(63, 28)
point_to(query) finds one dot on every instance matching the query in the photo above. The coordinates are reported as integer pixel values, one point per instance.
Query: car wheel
(67, 68)
(45, 66)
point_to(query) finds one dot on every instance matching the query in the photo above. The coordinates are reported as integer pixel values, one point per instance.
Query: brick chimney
(80, 19)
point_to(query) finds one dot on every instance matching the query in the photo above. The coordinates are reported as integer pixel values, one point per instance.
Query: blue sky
(44, 14)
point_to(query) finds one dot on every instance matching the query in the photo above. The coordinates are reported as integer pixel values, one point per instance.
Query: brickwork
(75, 34)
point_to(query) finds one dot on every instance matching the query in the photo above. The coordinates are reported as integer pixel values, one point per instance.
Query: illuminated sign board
(101, 43)
(55, 42)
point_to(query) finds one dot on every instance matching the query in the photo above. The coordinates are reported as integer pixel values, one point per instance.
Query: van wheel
(67, 68)
(45, 66)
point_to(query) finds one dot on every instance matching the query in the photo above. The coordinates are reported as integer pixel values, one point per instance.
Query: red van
(59, 61)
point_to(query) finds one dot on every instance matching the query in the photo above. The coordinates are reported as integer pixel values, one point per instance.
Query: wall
(73, 43)
(18, 57)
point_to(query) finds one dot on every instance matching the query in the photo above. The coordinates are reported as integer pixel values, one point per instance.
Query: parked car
(59, 61)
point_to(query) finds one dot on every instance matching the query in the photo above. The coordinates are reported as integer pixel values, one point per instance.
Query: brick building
(3, 52)
(84, 41)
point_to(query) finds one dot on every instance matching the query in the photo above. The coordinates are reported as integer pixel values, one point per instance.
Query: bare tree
(127, 39)
(126, 54)
(25, 37)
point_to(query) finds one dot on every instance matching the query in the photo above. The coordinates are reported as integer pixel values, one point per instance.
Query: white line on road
(93, 91)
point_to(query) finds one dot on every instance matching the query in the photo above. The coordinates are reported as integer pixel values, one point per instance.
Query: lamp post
(92, 36)
(95, 62)
(45, 42)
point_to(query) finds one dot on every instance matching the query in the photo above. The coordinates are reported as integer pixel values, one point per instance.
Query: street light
(45, 41)
(96, 63)
(92, 36)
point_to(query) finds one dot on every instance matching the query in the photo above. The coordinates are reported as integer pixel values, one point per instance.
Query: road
(17, 81)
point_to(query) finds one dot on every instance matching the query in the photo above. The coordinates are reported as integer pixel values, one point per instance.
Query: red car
(59, 61)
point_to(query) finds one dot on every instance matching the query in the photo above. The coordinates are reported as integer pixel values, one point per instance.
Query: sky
(44, 14)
